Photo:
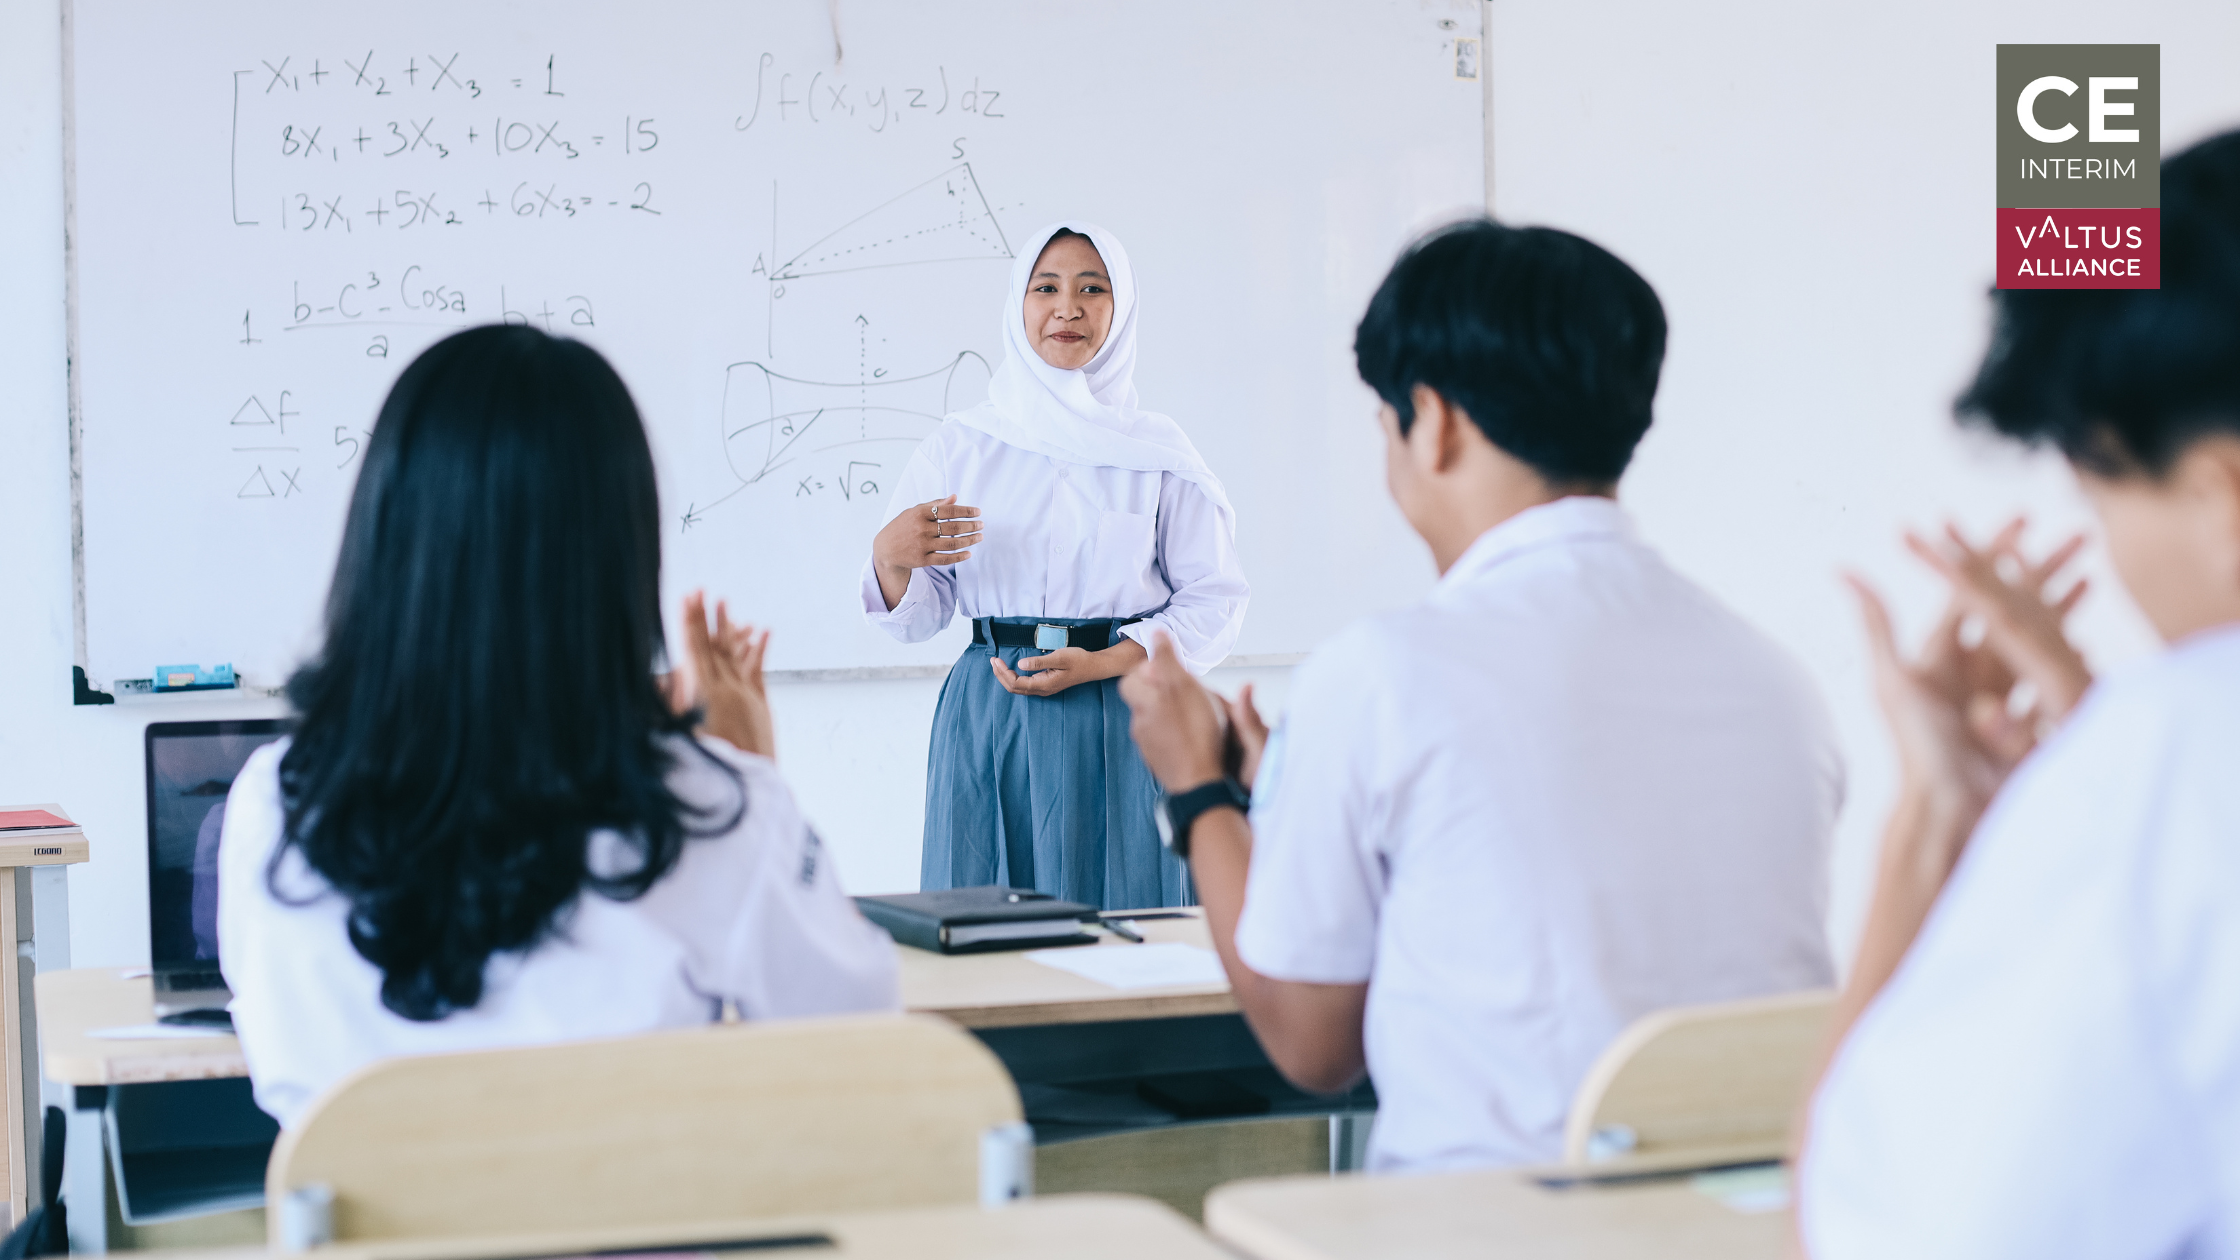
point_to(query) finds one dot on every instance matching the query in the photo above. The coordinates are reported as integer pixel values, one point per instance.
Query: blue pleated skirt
(1042, 792)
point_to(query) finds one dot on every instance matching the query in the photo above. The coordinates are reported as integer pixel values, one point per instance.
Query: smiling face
(1069, 303)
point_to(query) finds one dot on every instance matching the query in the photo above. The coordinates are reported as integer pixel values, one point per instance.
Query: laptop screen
(191, 766)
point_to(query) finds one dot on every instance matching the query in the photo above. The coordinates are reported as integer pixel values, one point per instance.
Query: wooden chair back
(1698, 1086)
(740, 1120)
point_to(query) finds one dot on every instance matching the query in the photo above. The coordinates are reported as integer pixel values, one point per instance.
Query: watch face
(1164, 823)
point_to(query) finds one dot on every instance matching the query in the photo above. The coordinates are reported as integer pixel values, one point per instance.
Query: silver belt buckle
(1051, 638)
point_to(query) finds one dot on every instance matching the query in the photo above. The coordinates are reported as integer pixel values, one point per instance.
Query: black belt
(1096, 636)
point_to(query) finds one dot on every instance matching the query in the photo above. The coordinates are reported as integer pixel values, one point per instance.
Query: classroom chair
(1697, 1086)
(740, 1120)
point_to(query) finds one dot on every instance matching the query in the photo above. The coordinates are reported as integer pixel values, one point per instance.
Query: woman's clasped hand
(1052, 673)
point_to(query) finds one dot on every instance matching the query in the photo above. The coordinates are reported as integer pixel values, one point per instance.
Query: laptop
(190, 768)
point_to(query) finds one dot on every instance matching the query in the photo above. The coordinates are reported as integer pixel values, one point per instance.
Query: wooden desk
(35, 920)
(1487, 1216)
(1054, 1031)
(1001, 990)
(74, 1003)
(1078, 1227)
(1005, 990)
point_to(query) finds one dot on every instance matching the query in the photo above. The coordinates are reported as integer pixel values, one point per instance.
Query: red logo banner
(2076, 248)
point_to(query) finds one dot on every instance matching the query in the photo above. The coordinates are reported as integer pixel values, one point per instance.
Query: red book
(27, 819)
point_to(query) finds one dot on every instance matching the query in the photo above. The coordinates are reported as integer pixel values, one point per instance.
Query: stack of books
(971, 920)
(39, 835)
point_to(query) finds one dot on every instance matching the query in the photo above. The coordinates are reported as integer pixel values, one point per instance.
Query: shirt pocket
(1126, 541)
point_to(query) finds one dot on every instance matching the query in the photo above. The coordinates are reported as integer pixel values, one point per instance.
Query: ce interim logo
(2080, 167)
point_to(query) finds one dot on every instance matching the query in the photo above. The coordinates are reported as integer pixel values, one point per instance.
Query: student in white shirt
(1067, 524)
(2040, 1048)
(490, 826)
(1565, 789)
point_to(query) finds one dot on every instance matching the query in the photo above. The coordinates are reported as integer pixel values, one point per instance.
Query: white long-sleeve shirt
(754, 916)
(1072, 541)
(2054, 1070)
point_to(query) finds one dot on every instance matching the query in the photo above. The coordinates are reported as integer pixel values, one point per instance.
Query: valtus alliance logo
(2080, 166)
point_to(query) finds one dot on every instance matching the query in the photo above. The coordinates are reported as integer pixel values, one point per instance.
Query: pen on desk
(1121, 930)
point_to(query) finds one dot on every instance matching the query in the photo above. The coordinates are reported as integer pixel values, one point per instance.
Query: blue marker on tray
(193, 678)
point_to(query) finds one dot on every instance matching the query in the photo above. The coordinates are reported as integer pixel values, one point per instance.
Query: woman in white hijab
(1069, 526)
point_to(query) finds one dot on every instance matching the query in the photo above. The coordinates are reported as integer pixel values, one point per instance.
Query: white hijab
(1085, 415)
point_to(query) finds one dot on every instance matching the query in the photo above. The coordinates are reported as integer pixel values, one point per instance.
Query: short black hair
(2123, 380)
(1548, 342)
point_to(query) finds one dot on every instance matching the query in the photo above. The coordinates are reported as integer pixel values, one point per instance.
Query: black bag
(46, 1232)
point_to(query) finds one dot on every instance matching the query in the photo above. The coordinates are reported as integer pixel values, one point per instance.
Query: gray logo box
(2079, 171)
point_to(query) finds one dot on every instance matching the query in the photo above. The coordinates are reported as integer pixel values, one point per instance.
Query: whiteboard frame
(87, 690)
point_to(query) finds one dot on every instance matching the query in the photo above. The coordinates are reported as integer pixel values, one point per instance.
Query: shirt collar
(1572, 519)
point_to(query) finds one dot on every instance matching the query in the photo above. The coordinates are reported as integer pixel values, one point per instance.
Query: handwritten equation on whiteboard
(403, 142)
(376, 142)
(416, 193)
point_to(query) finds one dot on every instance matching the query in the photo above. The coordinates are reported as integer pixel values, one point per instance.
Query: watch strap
(1181, 810)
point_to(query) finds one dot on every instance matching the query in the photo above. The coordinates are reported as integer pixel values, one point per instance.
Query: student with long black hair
(492, 825)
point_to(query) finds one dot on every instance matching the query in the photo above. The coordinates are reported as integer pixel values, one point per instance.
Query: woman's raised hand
(938, 531)
(726, 683)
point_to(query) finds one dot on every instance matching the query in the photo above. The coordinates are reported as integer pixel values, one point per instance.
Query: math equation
(398, 194)
(381, 142)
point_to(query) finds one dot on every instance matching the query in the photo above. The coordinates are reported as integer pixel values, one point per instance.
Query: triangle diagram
(945, 219)
(252, 412)
(256, 487)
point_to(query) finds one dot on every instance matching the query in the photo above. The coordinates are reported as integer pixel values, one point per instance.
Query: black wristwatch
(1176, 813)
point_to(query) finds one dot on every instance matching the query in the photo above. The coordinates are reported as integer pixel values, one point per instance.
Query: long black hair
(485, 698)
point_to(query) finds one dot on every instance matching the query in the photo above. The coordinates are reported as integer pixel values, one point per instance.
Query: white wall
(855, 751)
(1808, 189)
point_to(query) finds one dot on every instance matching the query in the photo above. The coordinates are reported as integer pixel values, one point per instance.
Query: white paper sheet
(1161, 966)
(1750, 1191)
(155, 1032)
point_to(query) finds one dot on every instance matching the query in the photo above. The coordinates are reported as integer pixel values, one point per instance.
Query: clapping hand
(726, 678)
(1248, 737)
(1959, 712)
(1176, 722)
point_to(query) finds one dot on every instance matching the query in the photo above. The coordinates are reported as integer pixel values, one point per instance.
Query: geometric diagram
(844, 437)
(945, 219)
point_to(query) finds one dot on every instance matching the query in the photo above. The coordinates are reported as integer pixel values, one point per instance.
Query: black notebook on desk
(970, 920)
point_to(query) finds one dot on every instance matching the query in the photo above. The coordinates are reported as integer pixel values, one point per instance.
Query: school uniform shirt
(2054, 1069)
(754, 915)
(1565, 790)
(1063, 539)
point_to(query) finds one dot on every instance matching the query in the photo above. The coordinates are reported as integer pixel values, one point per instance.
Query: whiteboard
(789, 225)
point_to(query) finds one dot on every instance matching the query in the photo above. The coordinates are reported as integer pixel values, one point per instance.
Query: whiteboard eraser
(193, 678)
